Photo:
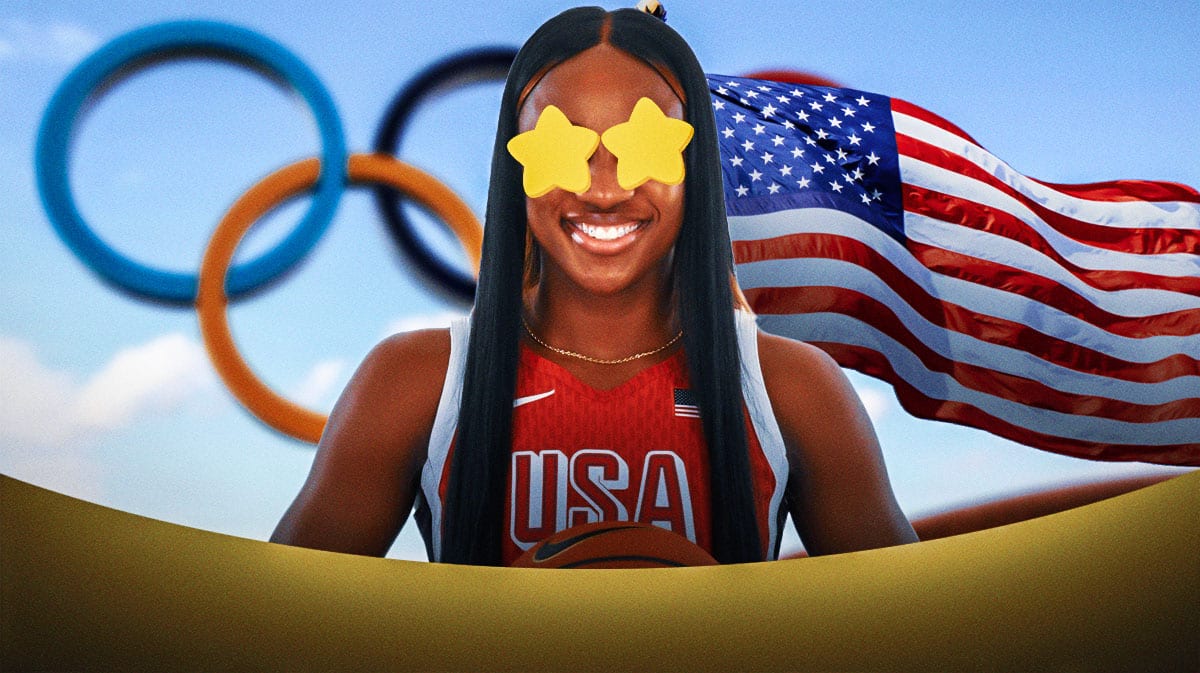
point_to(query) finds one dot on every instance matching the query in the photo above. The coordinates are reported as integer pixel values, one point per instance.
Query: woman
(547, 408)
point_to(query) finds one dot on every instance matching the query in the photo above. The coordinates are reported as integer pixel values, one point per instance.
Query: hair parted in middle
(705, 298)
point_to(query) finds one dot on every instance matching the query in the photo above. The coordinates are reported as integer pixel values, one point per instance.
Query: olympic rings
(210, 290)
(161, 40)
(460, 69)
(211, 303)
(235, 43)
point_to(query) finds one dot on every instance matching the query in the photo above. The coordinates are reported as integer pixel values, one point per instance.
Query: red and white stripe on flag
(1064, 317)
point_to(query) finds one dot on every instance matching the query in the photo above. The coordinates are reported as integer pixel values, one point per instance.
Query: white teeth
(605, 233)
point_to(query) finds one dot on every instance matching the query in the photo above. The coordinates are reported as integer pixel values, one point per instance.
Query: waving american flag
(1065, 317)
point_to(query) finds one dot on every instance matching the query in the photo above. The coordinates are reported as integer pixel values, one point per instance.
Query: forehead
(598, 88)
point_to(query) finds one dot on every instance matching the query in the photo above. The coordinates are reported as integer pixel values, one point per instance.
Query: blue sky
(113, 399)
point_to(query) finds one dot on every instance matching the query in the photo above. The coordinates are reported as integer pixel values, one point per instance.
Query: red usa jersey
(633, 453)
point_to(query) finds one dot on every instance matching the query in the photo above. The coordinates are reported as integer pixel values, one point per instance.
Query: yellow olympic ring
(211, 302)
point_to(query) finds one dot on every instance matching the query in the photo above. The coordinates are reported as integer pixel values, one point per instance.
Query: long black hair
(703, 267)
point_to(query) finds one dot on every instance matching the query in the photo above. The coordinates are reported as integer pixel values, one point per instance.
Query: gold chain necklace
(580, 356)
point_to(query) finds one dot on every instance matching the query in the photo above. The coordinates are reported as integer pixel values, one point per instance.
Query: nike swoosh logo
(551, 549)
(532, 398)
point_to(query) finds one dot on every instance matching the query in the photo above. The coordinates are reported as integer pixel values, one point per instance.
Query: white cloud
(71, 41)
(877, 397)
(42, 406)
(320, 381)
(35, 401)
(54, 42)
(155, 376)
(64, 470)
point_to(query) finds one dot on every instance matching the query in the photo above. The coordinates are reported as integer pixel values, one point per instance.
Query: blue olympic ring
(159, 40)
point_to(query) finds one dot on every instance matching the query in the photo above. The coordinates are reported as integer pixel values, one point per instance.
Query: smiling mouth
(603, 233)
(606, 233)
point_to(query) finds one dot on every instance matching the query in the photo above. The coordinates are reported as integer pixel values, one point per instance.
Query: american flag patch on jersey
(685, 404)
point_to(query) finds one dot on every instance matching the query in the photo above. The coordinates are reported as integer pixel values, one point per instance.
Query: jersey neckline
(536, 361)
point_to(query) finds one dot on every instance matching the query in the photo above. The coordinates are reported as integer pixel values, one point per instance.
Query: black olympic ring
(468, 67)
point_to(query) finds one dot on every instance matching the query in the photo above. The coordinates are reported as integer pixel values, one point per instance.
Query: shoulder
(411, 363)
(794, 366)
(813, 401)
(395, 391)
(419, 348)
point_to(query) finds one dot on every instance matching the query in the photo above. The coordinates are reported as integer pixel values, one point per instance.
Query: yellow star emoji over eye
(555, 154)
(649, 146)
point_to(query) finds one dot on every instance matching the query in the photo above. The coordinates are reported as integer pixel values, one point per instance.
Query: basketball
(614, 544)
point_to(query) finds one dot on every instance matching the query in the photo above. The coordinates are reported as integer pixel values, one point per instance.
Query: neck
(603, 327)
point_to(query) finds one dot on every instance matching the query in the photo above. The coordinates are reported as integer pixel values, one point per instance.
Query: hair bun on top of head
(653, 8)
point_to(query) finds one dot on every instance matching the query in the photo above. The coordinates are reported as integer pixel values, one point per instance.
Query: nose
(605, 192)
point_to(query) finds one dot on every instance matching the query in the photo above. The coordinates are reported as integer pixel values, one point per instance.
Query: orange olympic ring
(211, 302)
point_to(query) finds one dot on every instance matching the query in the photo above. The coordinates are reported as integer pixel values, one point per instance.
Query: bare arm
(367, 468)
(838, 488)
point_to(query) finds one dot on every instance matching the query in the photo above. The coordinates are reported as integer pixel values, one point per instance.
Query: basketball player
(610, 369)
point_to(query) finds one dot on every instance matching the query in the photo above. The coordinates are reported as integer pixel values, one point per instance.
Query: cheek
(669, 200)
(542, 211)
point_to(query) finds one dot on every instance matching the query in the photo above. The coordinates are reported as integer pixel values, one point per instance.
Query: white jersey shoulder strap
(444, 425)
(762, 417)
